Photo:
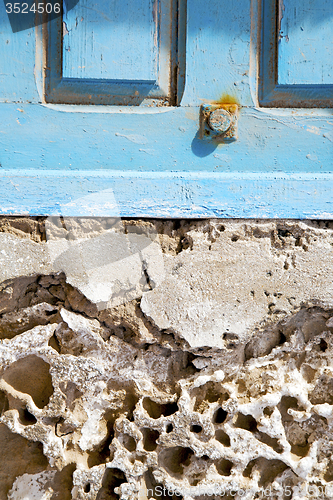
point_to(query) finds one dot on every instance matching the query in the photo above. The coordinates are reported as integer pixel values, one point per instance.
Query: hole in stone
(224, 467)
(4, 405)
(208, 393)
(141, 458)
(222, 437)
(246, 422)
(170, 409)
(156, 410)
(323, 391)
(130, 404)
(282, 338)
(86, 488)
(112, 479)
(174, 459)
(268, 411)
(230, 336)
(26, 418)
(300, 451)
(62, 483)
(270, 441)
(194, 481)
(128, 442)
(241, 385)
(329, 472)
(234, 238)
(185, 243)
(284, 405)
(156, 490)
(102, 453)
(268, 470)
(31, 375)
(169, 428)
(54, 343)
(13, 324)
(63, 428)
(18, 456)
(196, 428)
(219, 416)
(51, 313)
(323, 345)
(223, 396)
(187, 366)
(150, 437)
(299, 359)
(295, 434)
(308, 373)
(71, 392)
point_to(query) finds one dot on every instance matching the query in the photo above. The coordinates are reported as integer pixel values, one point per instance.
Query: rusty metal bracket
(218, 122)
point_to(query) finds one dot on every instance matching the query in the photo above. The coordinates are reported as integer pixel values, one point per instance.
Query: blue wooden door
(167, 108)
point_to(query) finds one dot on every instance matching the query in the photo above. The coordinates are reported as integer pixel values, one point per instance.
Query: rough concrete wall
(165, 359)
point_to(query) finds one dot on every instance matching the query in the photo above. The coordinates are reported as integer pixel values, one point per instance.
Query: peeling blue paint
(151, 157)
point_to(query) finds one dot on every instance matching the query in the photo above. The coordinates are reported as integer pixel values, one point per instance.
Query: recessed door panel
(296, 54)
(112, 39)
(117, 52)
(305, 42)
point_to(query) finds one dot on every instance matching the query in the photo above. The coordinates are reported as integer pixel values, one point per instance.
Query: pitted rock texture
(110, 262)
(122, 404)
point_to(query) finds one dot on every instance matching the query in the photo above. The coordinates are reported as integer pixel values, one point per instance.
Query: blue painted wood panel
(161, 140)
(76, 44)
(173, 194)
(218, 51)
(75, 159)
(112, 39)
(305, 42)
(17, 61)
(309, 93)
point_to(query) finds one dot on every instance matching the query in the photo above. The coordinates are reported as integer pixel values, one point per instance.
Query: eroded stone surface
(108, 263)
(238, 275)
(217, 383)
(110, 267)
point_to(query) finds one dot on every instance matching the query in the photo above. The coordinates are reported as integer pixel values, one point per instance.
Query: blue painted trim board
(172, 194)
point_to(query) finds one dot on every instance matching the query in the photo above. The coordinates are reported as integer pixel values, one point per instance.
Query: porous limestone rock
(214, 382)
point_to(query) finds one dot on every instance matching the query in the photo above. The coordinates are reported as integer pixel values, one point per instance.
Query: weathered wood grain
(306, 42)
(152, 158)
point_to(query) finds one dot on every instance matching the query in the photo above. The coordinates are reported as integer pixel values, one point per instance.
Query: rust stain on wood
(227, 99)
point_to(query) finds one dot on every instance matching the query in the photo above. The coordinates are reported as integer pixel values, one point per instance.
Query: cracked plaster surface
(215, 376)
